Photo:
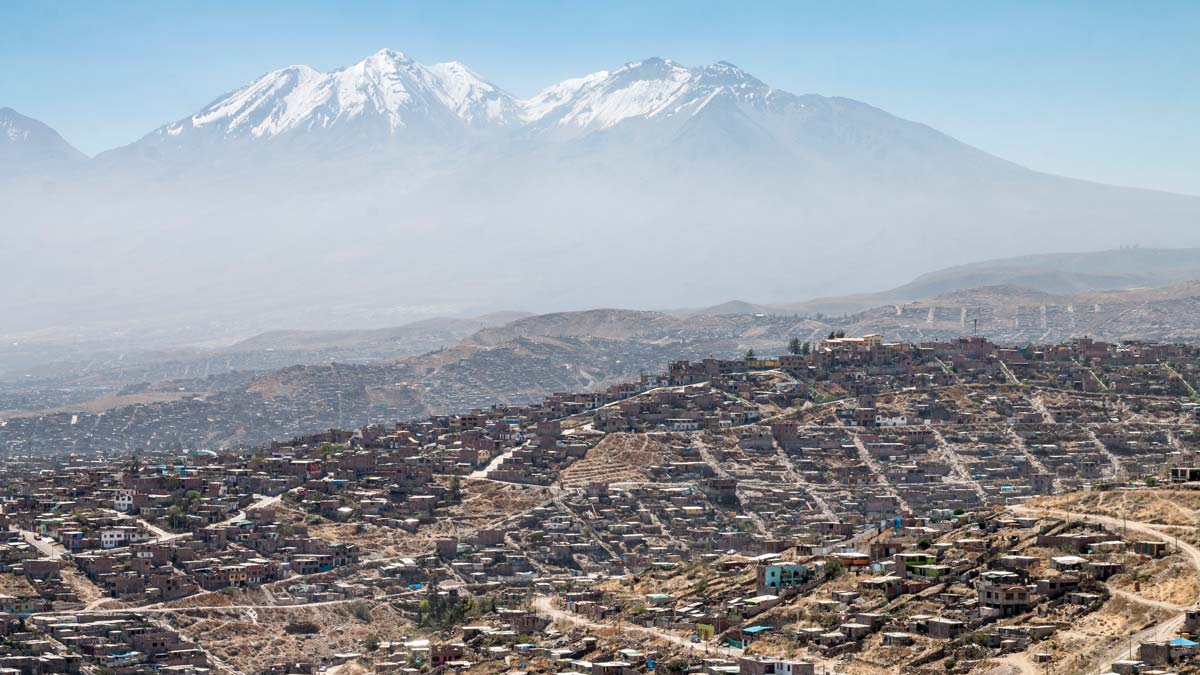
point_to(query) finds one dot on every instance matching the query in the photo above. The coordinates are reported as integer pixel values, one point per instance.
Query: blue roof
(757, 629)
(1183, 642)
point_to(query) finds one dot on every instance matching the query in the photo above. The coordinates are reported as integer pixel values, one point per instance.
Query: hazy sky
(1097, 90)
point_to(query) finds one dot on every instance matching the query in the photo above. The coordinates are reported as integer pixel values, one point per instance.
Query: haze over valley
(404, 365)
(384, 241)
(286, 382)
(390, 191)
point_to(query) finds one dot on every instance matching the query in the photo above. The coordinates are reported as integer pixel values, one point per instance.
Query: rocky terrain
(243, 401)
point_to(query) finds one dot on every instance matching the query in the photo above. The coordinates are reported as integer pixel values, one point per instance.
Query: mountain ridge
(389, 98)
(1052, 273)
(27, 143)
(703, 168)
(549, 353)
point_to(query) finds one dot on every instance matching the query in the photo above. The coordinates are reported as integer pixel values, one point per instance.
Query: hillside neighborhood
(847, 505)
(862, 339)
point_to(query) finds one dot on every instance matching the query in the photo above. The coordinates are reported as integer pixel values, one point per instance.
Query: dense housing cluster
(855, 502)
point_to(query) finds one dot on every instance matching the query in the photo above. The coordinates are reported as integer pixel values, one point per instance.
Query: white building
(123, 501)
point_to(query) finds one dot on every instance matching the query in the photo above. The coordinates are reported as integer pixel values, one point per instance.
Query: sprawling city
(841, 507)
(707, 338)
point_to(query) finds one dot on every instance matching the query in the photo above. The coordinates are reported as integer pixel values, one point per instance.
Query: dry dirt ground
(1152, 505)
(349, 668)
(17, 586)
(266, 594)
(1076, 647)
(1169, 579)
(251, 640)
(87, 591)
(690, 581)
(484, 504)
(620, 458)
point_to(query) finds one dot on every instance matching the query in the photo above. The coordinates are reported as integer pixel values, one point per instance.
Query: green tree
(677, 665)
(833, 567)
(176, 516)
(750, 355)
(795, 346)
(436, 612)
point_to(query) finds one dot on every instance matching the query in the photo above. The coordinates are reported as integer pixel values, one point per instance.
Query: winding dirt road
(1165, 629)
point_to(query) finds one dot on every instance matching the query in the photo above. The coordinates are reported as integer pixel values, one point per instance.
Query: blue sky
(1097, 90)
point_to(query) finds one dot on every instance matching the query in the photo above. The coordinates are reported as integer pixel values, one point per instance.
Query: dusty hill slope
(574, 351)
(1054, 273)
(1013, 314)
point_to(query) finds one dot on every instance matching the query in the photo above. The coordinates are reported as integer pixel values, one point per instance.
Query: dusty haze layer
(390, 190)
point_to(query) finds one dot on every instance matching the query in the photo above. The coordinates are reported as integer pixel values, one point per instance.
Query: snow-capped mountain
(389, 95)
(27, 145)
(653, 184)
(651, 88)
(389, 101)
(397, 94)
(386, 95)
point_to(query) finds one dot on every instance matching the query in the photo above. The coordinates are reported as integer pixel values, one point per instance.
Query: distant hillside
(1068, 272)
(502, 317)
(727, 308)
(64, 382)
(566, 351)
(998, 294)
(1057, 273)
(1016, 315)
(611, 324)
(30, 147)
(521, 362)
(411, 338)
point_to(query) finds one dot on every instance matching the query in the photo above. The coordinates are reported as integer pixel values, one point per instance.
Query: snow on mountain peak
(26, 142)
(391, 55)
(266, 106)
(10, 122)
(545, 101)
(644, 89)
(392, 91)
(473, 99)
(386, 86)
(726, 67)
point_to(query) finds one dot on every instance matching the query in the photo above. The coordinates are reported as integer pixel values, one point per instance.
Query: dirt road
(1165, 629)
(543, 604)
